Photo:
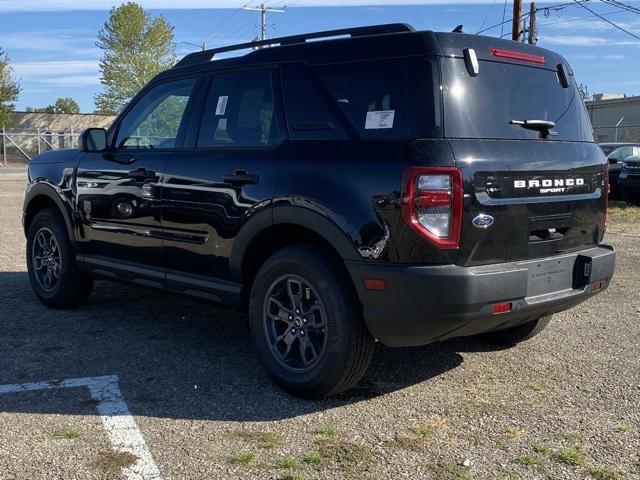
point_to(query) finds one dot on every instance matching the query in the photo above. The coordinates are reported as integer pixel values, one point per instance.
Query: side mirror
(93, 140)
(613, 160)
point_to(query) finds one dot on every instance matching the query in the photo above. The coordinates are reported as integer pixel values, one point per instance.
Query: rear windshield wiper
(542, 126)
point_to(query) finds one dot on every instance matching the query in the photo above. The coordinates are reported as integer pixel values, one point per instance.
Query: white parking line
(116, 418)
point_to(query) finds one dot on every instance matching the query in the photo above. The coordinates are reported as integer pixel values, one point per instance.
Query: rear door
(225, 176)
(544, 188)
(119, 192)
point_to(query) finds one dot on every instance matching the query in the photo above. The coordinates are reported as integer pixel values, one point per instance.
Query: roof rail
(207, 55)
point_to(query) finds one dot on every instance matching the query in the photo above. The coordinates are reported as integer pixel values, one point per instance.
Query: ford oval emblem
(483, 221)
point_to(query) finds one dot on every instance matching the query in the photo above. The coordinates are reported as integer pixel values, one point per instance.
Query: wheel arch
(41, 196)
(281, 227)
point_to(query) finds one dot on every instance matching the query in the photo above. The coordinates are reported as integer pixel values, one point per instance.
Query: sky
(51, 43)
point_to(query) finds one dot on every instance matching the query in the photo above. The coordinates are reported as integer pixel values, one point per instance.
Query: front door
(119, 192)
(227, 175)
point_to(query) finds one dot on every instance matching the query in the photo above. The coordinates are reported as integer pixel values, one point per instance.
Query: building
(615, 119)
(35, 132)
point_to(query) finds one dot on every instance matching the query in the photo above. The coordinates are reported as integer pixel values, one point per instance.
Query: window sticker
(379, 119)
(222, 105)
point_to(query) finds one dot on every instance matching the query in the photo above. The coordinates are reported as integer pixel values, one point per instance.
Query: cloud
(63, 5)
(73, 73)
(584, 41)
(70, 42)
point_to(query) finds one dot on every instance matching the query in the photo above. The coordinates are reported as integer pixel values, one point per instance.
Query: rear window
(483, 106)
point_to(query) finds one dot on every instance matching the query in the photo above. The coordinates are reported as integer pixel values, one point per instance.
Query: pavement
(141, 384)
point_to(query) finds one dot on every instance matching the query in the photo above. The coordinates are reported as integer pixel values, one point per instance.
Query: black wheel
(515, 335)
(306, 323)
(54, 275)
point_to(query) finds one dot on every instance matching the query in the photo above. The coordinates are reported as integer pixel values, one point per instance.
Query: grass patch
(601, 473)
(514, 432)
(243, 458)
(622, 209)
(537, 387)
(113, 462)
(570, 456)
(452, 472)
(327, 431)
(528, 460)
(424, 431)
(265, 440)
(623, 428)
(314, 458)
(67, 433)
(344, 453)
(542, 448)
(289, 463)
(408, 442)
(295, 476)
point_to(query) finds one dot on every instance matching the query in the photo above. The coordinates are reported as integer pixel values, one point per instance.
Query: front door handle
(142, 174)
(241, 177)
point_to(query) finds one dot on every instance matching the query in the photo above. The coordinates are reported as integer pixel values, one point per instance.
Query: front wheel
(54, 275)
(517, 334)
(306, 323)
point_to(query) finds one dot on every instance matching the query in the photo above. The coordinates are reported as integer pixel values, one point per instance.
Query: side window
(240, 111)
(621, 153)
(373, 95)
(155, 119)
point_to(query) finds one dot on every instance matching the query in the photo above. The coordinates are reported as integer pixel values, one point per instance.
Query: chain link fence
(17, 148)
(622, 133)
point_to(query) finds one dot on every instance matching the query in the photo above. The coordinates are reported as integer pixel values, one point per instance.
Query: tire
(311, 278)
(49, 250)
(514, 335)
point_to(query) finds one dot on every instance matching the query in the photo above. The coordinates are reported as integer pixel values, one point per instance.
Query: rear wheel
(306, 323)
(54, 275)
(515, 335)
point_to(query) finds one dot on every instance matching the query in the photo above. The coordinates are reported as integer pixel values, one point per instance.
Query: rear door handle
(240, 177)
(142, 174)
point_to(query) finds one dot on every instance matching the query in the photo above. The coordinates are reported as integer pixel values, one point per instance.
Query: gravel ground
(565, 405)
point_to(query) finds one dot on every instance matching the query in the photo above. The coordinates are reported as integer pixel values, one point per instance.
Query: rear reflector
(374, 284)
(596, 287)
(501, 308)
(515, 55)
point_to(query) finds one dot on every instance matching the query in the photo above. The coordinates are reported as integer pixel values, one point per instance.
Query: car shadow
(175, 358)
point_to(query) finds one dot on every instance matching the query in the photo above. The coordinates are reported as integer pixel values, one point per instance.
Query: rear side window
(482, 106)
(372, 95)
(240, 111)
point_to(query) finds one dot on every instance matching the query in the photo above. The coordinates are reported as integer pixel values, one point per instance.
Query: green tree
(66, 105)
(62, 105)
(136, 47)
(9, 90)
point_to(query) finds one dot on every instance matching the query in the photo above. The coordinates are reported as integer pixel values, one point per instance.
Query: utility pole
(517, 20)
(263, 16)
(533, 37)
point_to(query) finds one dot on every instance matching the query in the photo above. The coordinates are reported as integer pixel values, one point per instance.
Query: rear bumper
(422, 304)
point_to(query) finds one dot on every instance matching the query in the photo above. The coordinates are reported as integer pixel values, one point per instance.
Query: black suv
(386, 184)
(616, 154)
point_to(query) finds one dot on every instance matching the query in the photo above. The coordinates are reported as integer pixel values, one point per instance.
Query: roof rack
(207, 55)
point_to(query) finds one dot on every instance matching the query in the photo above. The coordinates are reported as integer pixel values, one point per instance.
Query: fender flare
(304, 217)
(52, 193)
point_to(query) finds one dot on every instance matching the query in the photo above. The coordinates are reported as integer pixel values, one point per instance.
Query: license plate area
(553, 275)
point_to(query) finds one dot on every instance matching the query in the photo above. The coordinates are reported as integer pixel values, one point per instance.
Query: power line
(624, 6)
(608, 21)
(579, 19)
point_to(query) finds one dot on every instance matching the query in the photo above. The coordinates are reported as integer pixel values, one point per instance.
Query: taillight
(432, 204)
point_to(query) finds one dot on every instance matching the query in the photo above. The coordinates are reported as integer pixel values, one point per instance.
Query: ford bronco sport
(377, 183)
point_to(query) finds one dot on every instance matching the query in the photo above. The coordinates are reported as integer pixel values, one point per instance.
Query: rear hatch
(543, 185)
